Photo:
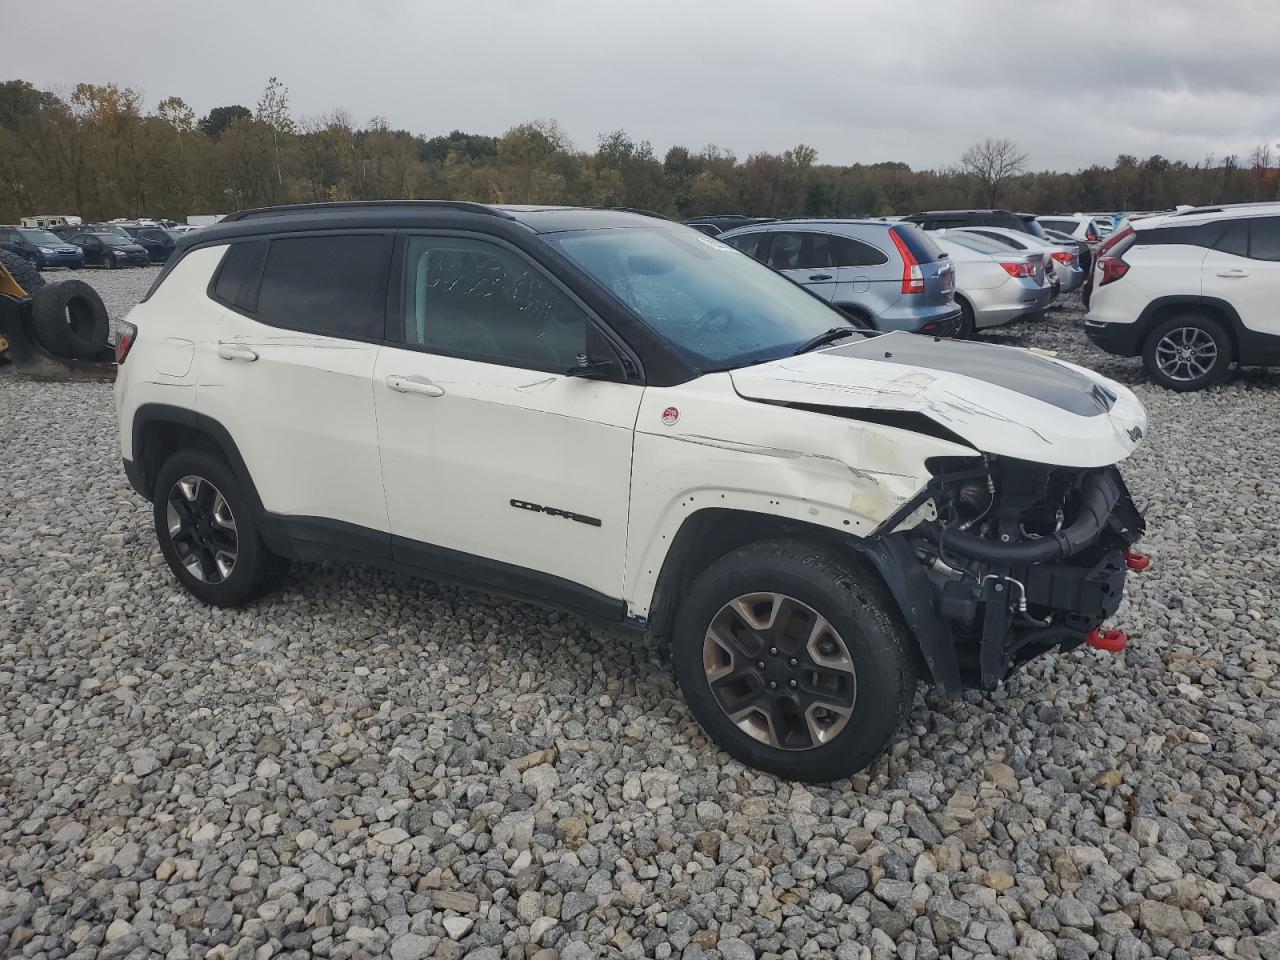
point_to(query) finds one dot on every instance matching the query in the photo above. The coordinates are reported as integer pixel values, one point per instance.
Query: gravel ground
(362, 764)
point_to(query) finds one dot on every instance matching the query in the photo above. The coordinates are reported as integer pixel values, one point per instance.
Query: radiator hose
(1098, 497)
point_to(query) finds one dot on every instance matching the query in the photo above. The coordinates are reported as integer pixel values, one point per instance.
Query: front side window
(748, 243)
(722, 311)
(475, 299)
(330, 285)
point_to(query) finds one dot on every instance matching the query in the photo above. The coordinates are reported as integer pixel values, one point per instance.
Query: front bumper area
(981, 607)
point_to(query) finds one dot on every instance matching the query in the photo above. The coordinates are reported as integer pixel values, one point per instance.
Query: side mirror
(596, 368)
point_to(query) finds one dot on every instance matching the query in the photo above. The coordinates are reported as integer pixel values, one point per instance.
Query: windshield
(115, 240)
(40, 236)
(720, 306)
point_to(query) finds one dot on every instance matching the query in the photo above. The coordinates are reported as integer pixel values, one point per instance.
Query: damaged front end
(1007, 559)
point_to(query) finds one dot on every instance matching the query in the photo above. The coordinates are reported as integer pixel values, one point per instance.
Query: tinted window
(1235, 240)
(846, 252)
(229, 284)
(1066, 226)
(326, 285)
(479, 300)
(7, 236)
(748, 243)
(1264, 238)
(918, 242)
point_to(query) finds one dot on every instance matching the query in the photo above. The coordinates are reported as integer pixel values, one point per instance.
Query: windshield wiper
(822, 339)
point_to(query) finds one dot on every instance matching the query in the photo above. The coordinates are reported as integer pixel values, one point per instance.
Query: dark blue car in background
(41, 247)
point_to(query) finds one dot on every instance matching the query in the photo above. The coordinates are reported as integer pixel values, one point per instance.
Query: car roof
(832, 224)
(948, 213)
(370, 214)
(1227, 211)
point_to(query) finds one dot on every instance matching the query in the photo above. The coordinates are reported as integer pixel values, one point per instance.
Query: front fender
(724, 452)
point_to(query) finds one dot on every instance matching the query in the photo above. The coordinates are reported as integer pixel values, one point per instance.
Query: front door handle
(403, 384)
(1233, 274)
(236, 351)
(819, 276)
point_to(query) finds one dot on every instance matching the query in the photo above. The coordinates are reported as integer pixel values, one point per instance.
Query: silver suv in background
(884, 276)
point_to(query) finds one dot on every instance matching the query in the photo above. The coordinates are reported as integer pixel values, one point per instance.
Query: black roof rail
(641, 211)
(288, 208)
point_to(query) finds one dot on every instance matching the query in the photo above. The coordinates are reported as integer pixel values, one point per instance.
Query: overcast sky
(1073, 81)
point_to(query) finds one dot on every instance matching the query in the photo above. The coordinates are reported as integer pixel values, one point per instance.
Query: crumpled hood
(1001, 400)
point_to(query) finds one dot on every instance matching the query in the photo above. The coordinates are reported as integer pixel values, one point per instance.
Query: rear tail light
(1092, 237)
(1111, 268)
(912, 275)
(124, 340)
(1062, 256)
(1017, 268)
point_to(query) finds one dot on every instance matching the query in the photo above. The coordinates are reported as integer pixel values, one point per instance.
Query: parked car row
(106, 245)
(944, 273)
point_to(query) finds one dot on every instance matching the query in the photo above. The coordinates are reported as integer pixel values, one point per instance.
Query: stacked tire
(68, 318)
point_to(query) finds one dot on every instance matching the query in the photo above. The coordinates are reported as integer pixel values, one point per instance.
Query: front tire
(792, 659)
(1189, 351)
(207, 531)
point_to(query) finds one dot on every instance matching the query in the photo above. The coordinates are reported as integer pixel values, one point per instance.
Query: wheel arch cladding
(1162, 308)
(160, 430)
(712, 532)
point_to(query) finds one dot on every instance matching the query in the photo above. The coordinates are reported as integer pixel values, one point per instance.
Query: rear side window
(918, 242)
(1066, 226)
(334, 286)
(1264, 238)
(229, 285)
(820, 251)
(1235, 241)
(1190, 235)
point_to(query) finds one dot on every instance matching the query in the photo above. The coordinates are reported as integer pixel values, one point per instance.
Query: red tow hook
(1136, 561)
(1112, 641)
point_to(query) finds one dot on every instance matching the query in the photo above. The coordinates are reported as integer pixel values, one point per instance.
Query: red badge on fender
(670, 415)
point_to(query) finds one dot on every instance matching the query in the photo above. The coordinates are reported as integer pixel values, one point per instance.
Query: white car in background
(1066, 262)
(1078, 225)
(994, 284)
(1191, 293)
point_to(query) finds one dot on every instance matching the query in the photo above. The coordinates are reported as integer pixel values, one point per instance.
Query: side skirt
(313, 539)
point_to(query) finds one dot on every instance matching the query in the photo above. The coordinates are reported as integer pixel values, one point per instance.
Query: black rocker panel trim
(1253, 347)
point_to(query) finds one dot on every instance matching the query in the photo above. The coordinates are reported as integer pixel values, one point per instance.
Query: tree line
(100, 152)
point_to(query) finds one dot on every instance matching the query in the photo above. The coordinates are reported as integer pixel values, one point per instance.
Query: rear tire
(1187, 352)
(830, 641)
(968, 327)
(207, 531)
(22, 270)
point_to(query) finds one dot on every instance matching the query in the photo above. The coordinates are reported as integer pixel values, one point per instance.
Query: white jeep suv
(621, 417)
(1190, 292)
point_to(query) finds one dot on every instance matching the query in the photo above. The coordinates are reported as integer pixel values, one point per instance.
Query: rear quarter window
(240, 265)
(918, 242)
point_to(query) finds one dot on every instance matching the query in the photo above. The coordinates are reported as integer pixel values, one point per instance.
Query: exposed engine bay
(1023, 558)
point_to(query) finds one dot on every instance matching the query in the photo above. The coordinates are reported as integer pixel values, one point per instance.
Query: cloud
(1073, 84)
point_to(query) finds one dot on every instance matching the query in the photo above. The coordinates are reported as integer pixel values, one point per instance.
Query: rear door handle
(236, 351)
(819, 276)
(404, 384)
(1232, 274)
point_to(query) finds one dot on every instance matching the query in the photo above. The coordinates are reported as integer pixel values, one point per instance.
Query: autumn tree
(992, 162)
